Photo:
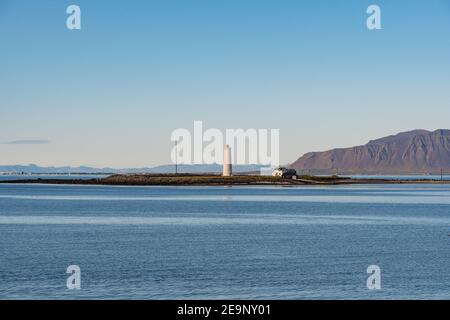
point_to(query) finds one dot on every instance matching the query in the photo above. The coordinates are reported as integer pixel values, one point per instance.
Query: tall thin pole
(176, 157)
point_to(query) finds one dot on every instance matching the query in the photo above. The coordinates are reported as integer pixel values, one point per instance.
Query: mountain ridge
(412, 152)
(170, 168)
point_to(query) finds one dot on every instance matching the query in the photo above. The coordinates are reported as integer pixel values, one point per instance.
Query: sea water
(225, 242)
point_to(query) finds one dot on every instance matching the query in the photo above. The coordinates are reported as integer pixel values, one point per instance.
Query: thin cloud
(24, 142)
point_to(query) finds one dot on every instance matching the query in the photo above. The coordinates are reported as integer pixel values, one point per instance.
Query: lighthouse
(227, 170)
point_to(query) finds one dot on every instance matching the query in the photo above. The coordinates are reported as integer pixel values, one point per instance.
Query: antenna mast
(176, 157)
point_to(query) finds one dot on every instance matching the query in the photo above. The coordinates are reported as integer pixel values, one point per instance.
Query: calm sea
(12, 177)
(225, 242)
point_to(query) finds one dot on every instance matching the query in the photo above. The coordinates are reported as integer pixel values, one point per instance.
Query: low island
(214, 180)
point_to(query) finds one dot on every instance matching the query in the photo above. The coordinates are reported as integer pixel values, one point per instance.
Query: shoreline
(217, 180)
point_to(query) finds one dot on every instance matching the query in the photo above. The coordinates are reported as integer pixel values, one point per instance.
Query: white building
(285, 173)
(227, 168)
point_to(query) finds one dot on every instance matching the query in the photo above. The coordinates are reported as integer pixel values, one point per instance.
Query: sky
(111, 94)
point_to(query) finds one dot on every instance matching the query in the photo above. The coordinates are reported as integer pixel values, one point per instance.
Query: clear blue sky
(112, 93)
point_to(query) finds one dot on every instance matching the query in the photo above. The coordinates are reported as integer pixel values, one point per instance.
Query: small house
(285, 173)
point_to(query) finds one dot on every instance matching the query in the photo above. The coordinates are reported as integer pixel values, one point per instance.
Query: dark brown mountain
(413, 152)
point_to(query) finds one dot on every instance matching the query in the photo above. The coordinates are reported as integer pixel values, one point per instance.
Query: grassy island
(211, 180)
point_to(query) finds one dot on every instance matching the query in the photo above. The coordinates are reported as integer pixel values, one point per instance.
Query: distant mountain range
(213, 168)
(413, 152)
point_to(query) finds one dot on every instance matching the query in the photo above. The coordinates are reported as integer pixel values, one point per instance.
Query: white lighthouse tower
(227, 169)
